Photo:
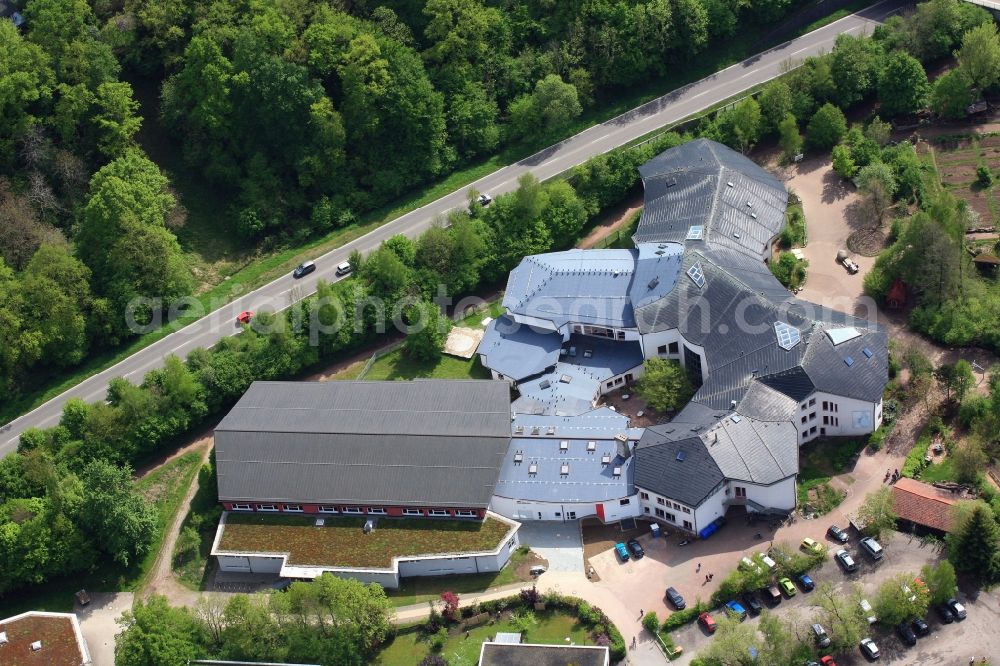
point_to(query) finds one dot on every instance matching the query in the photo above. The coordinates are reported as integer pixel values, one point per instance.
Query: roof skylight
(788, 336)
(696, 274)
(696, 232)
(840, 335)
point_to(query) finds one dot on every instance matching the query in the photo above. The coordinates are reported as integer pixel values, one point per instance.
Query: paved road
(550, 162)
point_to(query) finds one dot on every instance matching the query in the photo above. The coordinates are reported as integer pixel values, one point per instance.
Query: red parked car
(708, 622)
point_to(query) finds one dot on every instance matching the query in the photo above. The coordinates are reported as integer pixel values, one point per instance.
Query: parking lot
(664, 564)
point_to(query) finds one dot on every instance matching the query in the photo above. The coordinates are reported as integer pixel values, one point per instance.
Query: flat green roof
(341, 542)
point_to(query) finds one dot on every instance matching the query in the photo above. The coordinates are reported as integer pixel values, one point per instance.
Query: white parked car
(867, 609)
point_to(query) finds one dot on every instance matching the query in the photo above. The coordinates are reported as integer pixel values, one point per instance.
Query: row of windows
(672, 348)
(811, 403)
(831, 420)
(829, 406)
(663, 502)
(660, 513)
(353, 510)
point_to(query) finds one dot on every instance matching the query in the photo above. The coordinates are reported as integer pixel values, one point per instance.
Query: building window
(662, 349)
(660, 514)
(412, 512)
(438, 512)
(805, 418)
(835, 421)
(465, 513)
(812, 403)
(645, 509)
(688, 525)
(376, 510)
(834, 406)
(619, 380)
(805, 406)
(826, 405)
(660, 501)
(625, 502)
(571, 515)
(293, 508)
(826, 420)
(621, 335)
(671, 517)
(352, 509)
(674, 349)
(266, 507)
(611, 384)
(644, 496)
(740, 491)
(328, 509)
(677, 506)
(812, 417)
(822, 432)
(812, 431)
(241, 507)
(685, 509)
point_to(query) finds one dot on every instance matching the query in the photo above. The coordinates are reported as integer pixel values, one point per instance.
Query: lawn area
(421, 589)
(397, 365)
(340, 543)
(939, 471)
(553, 627)
(165, 489)
(818, 463)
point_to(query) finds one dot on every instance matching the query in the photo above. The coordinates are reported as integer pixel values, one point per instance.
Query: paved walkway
(98, 622)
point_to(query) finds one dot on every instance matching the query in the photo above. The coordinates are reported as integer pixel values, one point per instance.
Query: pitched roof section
(923, 504)
(518, 351)
(418, 443)
(672, 461)
(737, 204)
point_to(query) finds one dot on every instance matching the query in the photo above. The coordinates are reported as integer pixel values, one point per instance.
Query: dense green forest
(297, 116)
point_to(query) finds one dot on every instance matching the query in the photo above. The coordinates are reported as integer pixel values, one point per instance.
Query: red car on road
(245, 317)
(708, 622)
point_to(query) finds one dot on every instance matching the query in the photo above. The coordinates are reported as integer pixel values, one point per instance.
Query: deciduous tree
(664, 385)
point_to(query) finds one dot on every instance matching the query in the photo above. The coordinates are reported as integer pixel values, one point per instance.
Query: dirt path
(162, 580)
(613, 221)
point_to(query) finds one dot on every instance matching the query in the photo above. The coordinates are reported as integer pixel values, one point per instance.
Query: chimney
(623, 450)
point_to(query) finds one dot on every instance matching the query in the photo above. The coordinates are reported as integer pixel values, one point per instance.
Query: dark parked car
(771, 594)
(920, 627)
(806, 583)
(676, 599)
(305, 268)
(753, 605)
(636, 548)
(906, 634)
(957, 608)
(837, 534)
(945, 613)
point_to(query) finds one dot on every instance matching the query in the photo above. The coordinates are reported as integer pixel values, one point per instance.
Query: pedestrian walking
(711, 576)
(698, 569)
(641, 613)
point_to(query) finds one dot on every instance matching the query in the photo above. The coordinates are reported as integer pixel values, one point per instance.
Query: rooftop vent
(753, 215)
(662, 246)
(3, 637)
(36, 646)
(564, 469)
(696, 275)
(544, 384)
(849, 361)
(788, 336)
(533, 469)
(868, 352)
(735, 418)
(518, 458)
(652, 283)
(564, 445)
(671, 181)
(606, 459)
(695, 232)
(519, 430)
(534, 430)
(551, 431)
(659, 253)
(617, 471)
(736, 234)
(591, 446)
(566, 379)
(616, 272)
(729, 183)
(588, 353)
(732, 404)
(680, 456)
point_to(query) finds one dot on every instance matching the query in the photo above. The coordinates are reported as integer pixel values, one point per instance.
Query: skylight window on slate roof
(680, 456)
(788, 336)
(696, 275)
(868, 352)
(840, 335)
(564, 469)
(696, 232)
(617, 471)
(849, 361)
(533, 469)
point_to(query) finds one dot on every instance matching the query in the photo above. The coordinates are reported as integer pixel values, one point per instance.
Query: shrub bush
(683, 617)
(651, 622)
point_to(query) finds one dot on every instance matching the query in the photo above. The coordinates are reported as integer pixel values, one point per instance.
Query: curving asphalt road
(670, 108)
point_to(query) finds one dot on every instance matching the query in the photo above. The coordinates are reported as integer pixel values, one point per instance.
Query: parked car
(945, 613)
(957, 608)
(635, 548)
(746, 564)
(787, 587)
(244, 317)
(772, 594)
(906, 633)
(622, 551)
(752, 604)
(676, 599)
(344, 268)
(872, 547)
(837, 534)
(806, 582)
(708, 622)
(819, 633)
(828, 661)
(869, 649)
(305, 268)
(866, 608)
(767, 561)
(734, 608)
(845, 560)
(82, 598)
(811, 545)
(920, 627)
(843, 258)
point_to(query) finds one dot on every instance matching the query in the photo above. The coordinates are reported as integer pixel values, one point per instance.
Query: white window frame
(376, 510)
(293, 508)
(438, 512)
(242, 507)
(267, 507)
(412, 512)
(328, 508)
(465, 513)
(353, 510)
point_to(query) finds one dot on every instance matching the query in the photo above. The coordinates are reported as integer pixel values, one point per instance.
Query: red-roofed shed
(924, 505)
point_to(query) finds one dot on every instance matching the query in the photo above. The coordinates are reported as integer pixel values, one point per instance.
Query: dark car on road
(837, 534)
(906, 634)
(945, 613)
(636, 548)
(920, 627)
(676, 599)
(305, 268)
(752, 604)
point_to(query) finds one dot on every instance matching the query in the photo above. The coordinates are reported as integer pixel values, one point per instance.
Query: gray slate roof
(518, 351)
(658, 469)
(419, 443)
(703, 183)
